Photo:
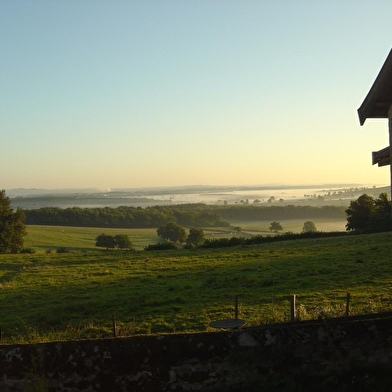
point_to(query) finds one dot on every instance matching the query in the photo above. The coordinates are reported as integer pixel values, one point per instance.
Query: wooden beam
(390, 144)
(382, 157)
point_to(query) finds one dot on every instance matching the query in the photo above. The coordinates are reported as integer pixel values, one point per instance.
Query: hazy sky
(99, 93)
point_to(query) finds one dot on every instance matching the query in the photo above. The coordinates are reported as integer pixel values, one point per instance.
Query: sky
(128, 94)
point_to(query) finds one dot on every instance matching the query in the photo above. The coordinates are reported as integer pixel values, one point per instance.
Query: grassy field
(293, 225)
(50, 295)
(43, 238)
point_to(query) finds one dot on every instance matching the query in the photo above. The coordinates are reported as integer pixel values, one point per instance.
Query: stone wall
(341, 355)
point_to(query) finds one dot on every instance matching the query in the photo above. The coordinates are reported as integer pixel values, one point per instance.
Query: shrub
(223, 242)
(161, 246)
(62, 250)
(27, 250)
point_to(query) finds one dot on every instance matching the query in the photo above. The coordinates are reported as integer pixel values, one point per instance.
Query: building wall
(325, 355)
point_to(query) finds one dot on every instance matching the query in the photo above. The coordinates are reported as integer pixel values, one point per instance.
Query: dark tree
(12, 226)
(105, 241)
(360, 212)
(195, 237)
(122, 241)
(309, 227)
(382, 216)
(367, 214)
(275, 226)
(172, 232)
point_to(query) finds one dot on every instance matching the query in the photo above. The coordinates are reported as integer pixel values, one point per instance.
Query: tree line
(190, 215)
(364, 215)
(127, 217)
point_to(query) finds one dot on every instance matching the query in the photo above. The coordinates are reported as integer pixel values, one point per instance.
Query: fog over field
(327, 194)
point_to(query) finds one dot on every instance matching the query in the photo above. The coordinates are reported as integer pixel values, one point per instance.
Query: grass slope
(48, 296)
(81, 238)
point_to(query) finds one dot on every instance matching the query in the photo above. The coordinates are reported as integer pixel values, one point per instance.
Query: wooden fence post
(236, 307)
(348, 305)
(114, 326)
(293, 312)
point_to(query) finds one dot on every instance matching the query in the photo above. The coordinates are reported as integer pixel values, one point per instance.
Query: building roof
(382, 157)
(379, 97)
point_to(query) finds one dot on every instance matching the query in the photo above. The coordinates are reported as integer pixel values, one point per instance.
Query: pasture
(292, 225)
(51, 296)
(43, 238)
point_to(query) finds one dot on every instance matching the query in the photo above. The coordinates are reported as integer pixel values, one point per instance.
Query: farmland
(49, 295)
(43, 238)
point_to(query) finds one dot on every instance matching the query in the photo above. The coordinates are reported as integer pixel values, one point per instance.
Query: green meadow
(51, 295)
(262, 227)
(44, 238)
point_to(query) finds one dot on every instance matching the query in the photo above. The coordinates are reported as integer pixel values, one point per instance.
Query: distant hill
(328, 194)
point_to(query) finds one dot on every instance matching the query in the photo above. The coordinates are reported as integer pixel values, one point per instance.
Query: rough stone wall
(324, 356)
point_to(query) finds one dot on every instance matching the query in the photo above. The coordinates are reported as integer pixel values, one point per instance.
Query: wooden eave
(379, 97)
(382, 157)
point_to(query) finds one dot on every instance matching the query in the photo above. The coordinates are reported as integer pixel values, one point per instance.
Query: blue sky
(123, 94)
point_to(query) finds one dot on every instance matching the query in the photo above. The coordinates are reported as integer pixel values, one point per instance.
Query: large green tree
(105, 241)
(367, 214)
(309, 227)
(122, 241)
(275, 226)
(12, 226)
(195, 237)
(382, 216)
(172, 232)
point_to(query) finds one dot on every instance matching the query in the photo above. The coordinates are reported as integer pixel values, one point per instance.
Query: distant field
(294, 225)
(49, 296)
(81, 238)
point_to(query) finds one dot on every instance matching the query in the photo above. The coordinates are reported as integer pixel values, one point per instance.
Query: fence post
(348, 305)
(114, 326)
(236, 307)
(292, 310)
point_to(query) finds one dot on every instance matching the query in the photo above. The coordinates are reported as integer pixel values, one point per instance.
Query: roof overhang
(379, 98)
(382, 157)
